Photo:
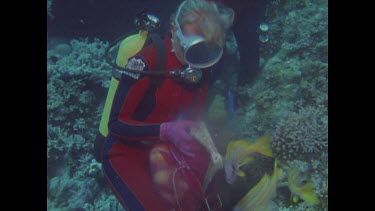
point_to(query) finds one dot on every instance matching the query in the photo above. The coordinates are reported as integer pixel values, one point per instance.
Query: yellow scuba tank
(128, 48)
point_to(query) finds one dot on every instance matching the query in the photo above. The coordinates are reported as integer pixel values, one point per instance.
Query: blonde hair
(212, 21)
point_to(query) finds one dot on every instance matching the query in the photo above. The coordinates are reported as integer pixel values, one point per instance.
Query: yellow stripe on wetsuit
(128, 48)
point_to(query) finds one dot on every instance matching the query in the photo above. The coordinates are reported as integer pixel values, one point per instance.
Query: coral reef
(320, 178)
(303, 135)
(293, 77)
(307, 173)
(265, 99)
(76, 84)
(289, 99)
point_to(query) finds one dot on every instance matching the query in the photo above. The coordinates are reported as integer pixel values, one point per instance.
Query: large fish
(240, 153)
(260, 196)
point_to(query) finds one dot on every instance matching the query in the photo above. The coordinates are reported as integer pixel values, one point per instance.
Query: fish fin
(241, 173)
(235, 145)
(280, 173)
(262, 146)
(242, 143)
(277, 172)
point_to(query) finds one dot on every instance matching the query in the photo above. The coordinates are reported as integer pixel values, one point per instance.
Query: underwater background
(288, 100)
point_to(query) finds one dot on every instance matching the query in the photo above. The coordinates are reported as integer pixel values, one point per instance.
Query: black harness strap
(161, 52)
(147, 104)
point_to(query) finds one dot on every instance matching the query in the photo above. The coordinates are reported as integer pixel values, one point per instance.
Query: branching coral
(74, 81)
(85, 61)
(322, 194)
(303, 135)
(56, 146)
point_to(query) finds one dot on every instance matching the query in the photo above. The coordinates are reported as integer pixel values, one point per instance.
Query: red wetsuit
(138, 110)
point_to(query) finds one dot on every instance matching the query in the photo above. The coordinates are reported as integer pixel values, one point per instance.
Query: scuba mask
(196, 52)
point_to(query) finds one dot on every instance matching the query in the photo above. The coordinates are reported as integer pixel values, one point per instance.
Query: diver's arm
(129, 93)
(123, 126)
(133, 131)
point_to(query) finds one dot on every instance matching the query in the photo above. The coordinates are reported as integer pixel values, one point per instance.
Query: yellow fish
(240, 153)
(259, 197)
(304, 191)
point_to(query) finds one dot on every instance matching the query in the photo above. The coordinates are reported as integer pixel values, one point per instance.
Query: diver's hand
(178, 132)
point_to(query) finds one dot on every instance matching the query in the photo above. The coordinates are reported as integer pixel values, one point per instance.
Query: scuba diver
(158, 90)
(249, 15)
